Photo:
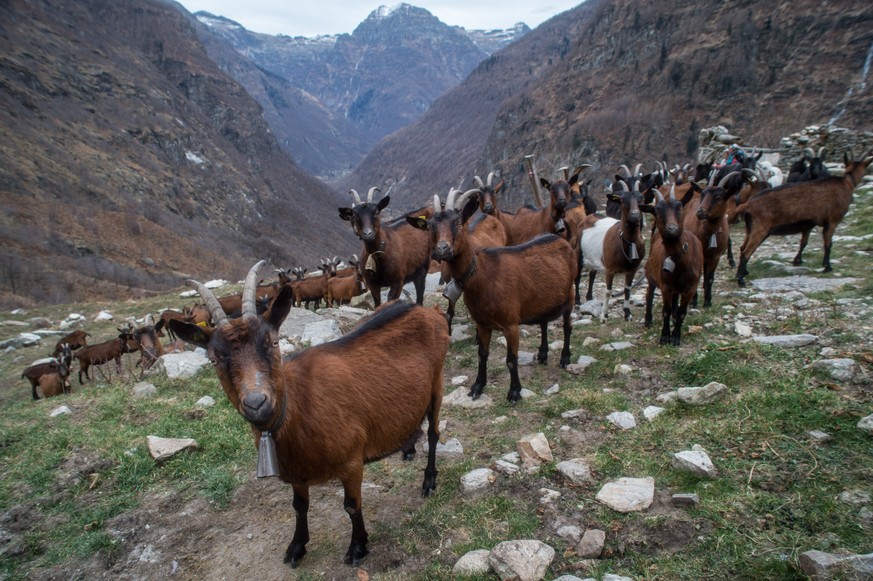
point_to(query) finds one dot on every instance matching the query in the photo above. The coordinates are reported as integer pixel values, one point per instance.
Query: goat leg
(730, 254)
(679, 318)
(433, 436)
(484, 337)
(650, 297)
(565, 350)
(578, 282)
(297, 548)
(666, 315)
(628, 281)
(708, 279)
(804, 239)
(514, 394)
(591, 275)
(352, 503)
(418, 283)
(543, 353)
(827, 233)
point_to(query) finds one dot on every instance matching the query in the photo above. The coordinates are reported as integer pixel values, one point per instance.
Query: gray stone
(685, 499)
(821, 566)
(866, 424)
(854, 497)
(477, 480)
(472, 563)
(623, 369)
(205, 402)
(549, 496)
(506, 468)
(460, 333)
(184, 364)
(460, 380)
(320, 332)
(552, 390)
(667, 397)
(591, 545)
(742, 329)
(589, 341)
(580, 414)
(534, 449)
(614, 577)
(623, 420)
(576, 470)
(60, 411)
(701, 395)
(592, 307)
(804, 284)
(525, 358)
(585, 360)
(865, 517)
(571, 533)
(628, 494)
(163, 448)
(617, 346)
(696, 462)
(786, 341)
(21, 340)
(523, 560)
(296, 321)
(103, 316)
(573, 578)
(841, 369)
(819, 437)
(451, 449)
(651, 412)
(460, 399)
(144, 389)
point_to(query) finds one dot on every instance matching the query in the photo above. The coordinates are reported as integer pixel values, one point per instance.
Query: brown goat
(798, 208)
(314, 288)
(149, 344)
(393, 254)
(101, 353)
(34, 372)
(165, 317)
(75, 340)
(614, 246)
(674, 266)
(529, 222)
(341, 289)
(334, 407)
(504, 287)
(55, 383)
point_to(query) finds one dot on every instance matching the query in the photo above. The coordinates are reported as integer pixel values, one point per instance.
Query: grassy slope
(774, 497)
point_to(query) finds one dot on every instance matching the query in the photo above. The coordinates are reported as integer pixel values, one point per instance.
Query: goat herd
(324, 412)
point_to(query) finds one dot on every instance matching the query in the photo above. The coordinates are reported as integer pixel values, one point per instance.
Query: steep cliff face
(130, 161)
(360, 86)
(618, 81)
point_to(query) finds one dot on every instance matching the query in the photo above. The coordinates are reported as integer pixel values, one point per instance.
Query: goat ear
(191, 333)
(469, 209)
(279, 308)
(382, 203)
(499, 186)
(573, 179)
(419, 222)
(613, 197)
(545, 183)
(345, 214)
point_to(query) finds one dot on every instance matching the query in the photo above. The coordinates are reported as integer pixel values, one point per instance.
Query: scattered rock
(472, 563)
(460, 380)
(552, 390)
(548, 496)
(573, 578)
(622, 369)
(184, 364)
(866, 424)
(103, 316)
(854, 497)
(651, 412)
(614, 577)
(819, 437)
(22, 340)
(803, 284)
(623, 420)
(296, 321)
(742, 329)
(865, 517)
(617, 346)
(667, 397)
(205, 402)
(576, 470)
(821, 566)
(585, 360)
(580, 414)
(685, 499)
(533, 450)
(786, 341)
(525, 560)
(628, 494)
(696, 462)
(460, 333)
(460, 399)
(590, 341)
(591, 545)
(163, 448)
(320, 332)
(144, 389)
(452, 448)
(60, 411)
(701, 395)
(842, 369)
(506, 468)
(525, 358)
(571, 533)
(477, 480)
(592, 307)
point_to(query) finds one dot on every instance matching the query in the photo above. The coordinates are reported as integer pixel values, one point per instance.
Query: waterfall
(860, 85)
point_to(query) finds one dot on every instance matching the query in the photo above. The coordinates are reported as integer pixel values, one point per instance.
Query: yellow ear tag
(202, 324)
(422, 217)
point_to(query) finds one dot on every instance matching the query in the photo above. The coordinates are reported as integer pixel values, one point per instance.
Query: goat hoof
(294, 554)
(665, 340)
(355, 554)
(542, 358)
(627, 314)
(741, 282)
(513, 396)
(828, 269)
(476, 391)
(732, 263)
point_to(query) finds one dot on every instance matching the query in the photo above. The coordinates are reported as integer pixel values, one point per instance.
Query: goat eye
(275, 343)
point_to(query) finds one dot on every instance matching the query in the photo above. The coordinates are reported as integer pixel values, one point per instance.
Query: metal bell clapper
(634, 255)
(452, 291)
(713, 241)
(268, 463)
(669, 265)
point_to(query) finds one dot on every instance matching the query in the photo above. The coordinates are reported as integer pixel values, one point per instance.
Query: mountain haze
(616, 81)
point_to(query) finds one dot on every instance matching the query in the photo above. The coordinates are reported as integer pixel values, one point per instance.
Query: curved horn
(566, 172)
(808, 152)
(637, 169)
(436, 204)
(219, 317)
(821, 152)
(623, 185)
(672, 192)
(248, 294)
(370, 194)
(724, 180)
(357, 197)
(582, 167)
(627, 172)
(450, 199)
(462, 200)
(658, 194)
(637, 186)
(711, 178)
(490, 177)
(479, 183)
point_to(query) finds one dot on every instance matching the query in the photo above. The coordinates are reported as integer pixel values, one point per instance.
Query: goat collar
(634, 254)
(467, 273)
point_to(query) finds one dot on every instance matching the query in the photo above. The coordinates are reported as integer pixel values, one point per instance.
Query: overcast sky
(308, 18)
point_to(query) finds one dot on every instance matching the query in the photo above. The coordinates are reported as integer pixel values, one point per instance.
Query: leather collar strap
(468, 273)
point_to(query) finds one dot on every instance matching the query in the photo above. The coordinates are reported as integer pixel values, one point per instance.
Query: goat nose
(489, 208)
(254, 401)
(701, 214)
(633, 216)
(672, 229)
(368, 235)
(442, 250)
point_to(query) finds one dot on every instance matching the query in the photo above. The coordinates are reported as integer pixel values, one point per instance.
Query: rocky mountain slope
(350, 90)
(615, 81)
(130, 161)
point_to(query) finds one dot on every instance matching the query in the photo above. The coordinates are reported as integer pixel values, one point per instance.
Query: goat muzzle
(442, 251)
(368, 235)
(256, 408)
(489, 209)
(701, 214)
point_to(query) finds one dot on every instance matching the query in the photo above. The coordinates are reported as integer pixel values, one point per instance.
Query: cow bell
(371, 264)
(268, 463)
(452, 291)
(713, 241)
(560, 226)
(669, 265)
(634, 255)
